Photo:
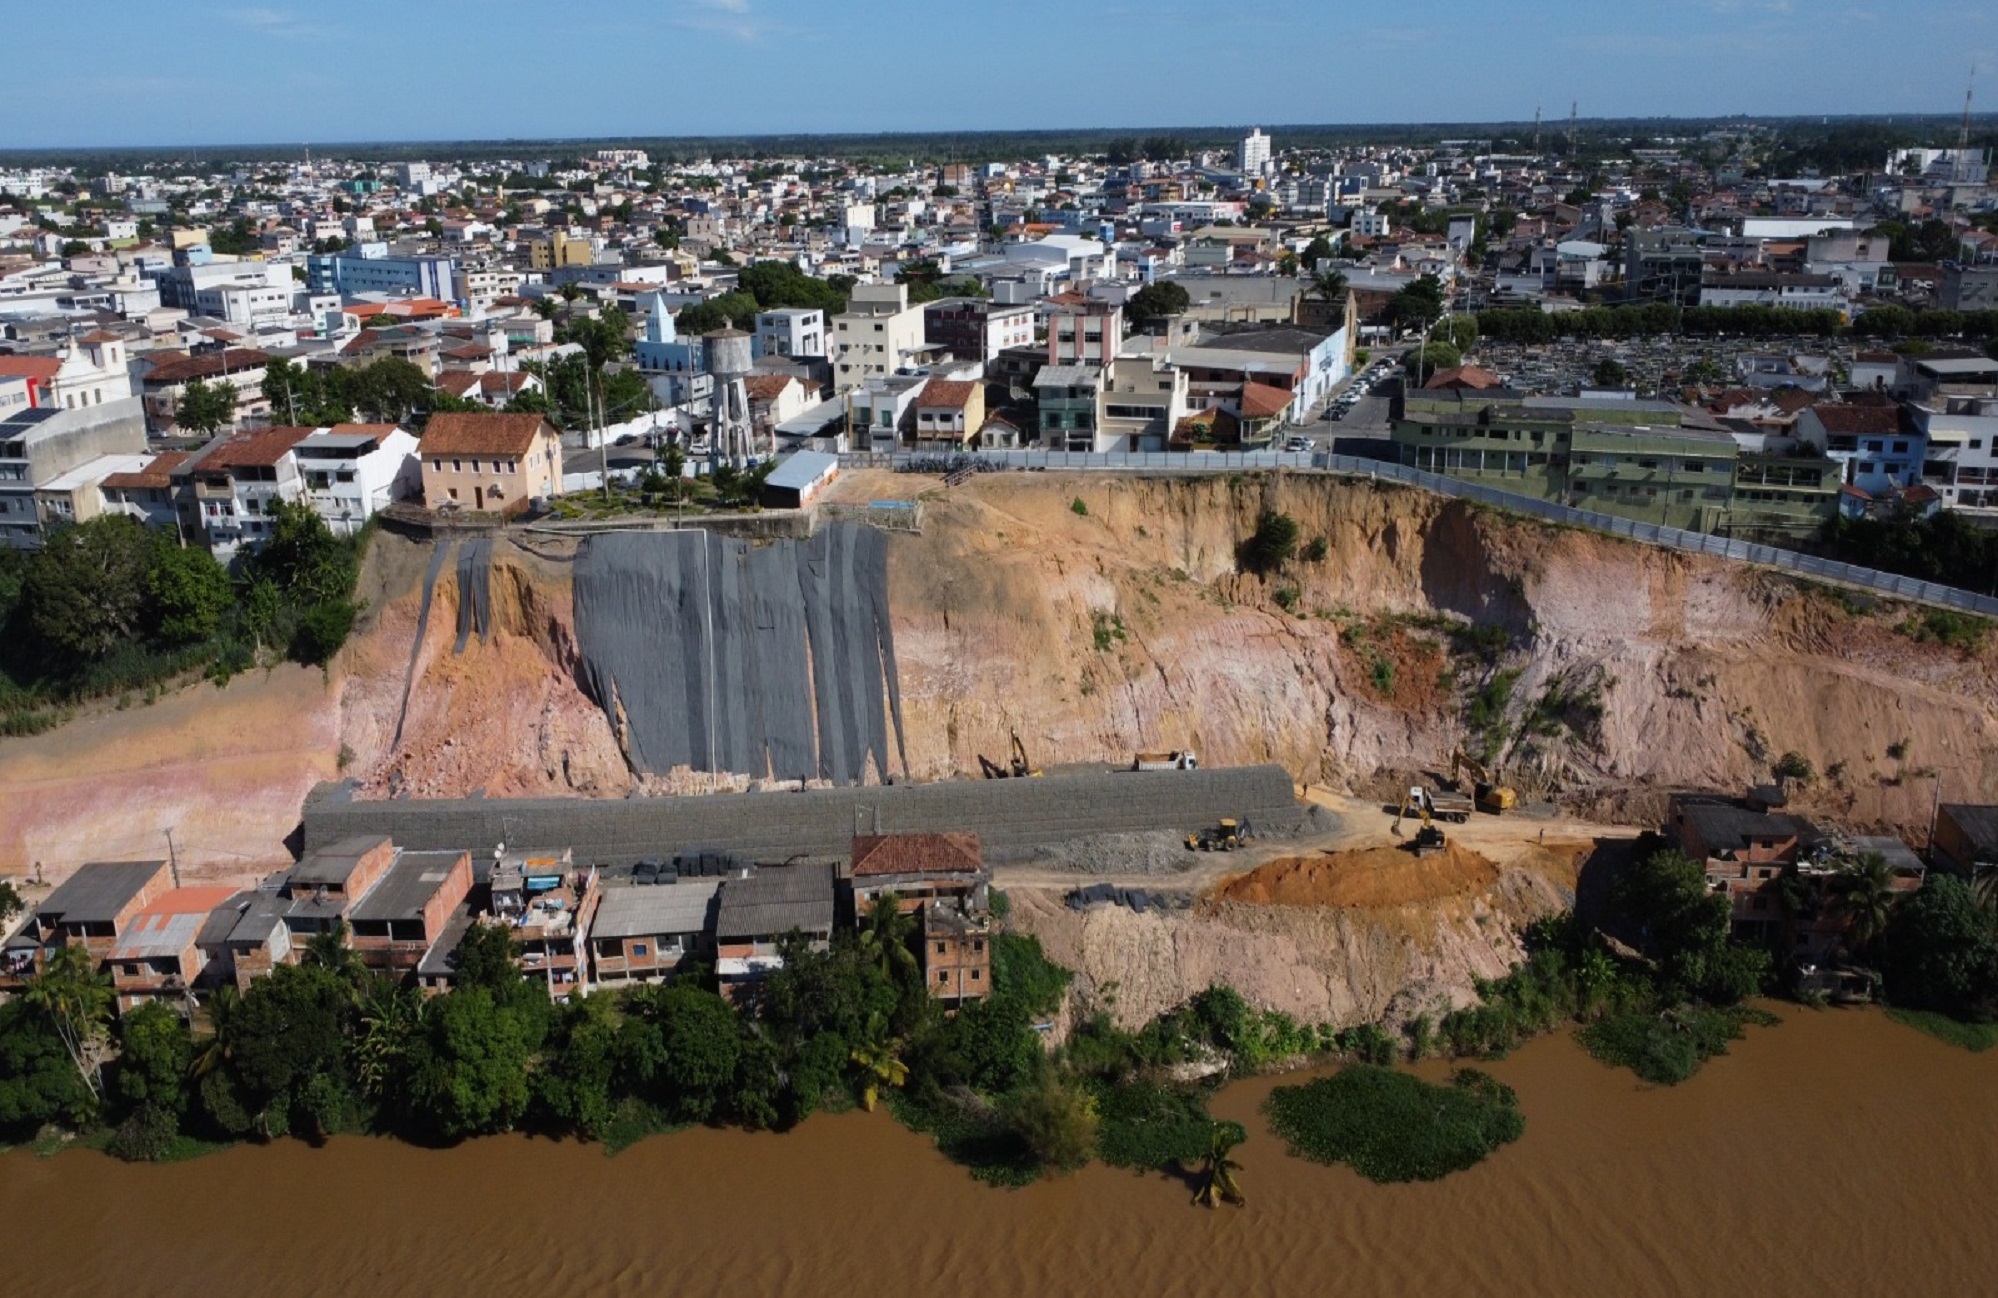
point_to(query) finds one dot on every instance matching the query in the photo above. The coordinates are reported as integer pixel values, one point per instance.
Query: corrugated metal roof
(641, 910)
(801, 470)
(776, 900)
(98, 891)
(412, 881)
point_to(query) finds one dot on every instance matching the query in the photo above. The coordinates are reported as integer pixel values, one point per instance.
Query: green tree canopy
(206, 408)
(190, 593)
(1157, 301)
(85, 591)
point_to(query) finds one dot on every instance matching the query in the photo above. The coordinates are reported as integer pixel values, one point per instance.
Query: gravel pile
(1154, 852)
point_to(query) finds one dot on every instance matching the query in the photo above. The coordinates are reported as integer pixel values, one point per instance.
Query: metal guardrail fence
(1887, 583)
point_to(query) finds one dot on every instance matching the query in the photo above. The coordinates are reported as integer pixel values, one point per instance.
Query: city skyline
(225, 73)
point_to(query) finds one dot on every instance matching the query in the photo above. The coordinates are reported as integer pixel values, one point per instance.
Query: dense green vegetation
(1391, 1126)
(1941, 548)
(1974, 1037)
(109, 607)
(1662, 1017)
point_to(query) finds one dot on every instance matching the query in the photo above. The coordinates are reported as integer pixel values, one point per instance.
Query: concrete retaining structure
(1011, 817)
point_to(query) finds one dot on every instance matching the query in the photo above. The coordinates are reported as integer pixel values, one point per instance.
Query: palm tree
(390, 1017)
(77, 1000)
(1217, 1171)
(1328, 285)
(880, 1060)
(1984, 883)
(1863, 893)
(885, 937)
(328, 949)
(221, 1007)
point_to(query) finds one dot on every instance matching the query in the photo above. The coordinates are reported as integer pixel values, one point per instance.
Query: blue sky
(169, 72)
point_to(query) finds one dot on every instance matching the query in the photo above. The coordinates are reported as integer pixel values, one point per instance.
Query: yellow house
(489, 463)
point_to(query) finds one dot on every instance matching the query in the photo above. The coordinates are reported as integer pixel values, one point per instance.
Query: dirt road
(1360, 823)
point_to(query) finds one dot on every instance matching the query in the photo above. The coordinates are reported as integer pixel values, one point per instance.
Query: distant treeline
(1842, 142)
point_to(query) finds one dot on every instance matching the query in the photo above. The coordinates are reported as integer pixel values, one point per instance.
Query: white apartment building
(791, 332)
(351, 472)
(877, 334)
(1962, 459)
(1253, 157)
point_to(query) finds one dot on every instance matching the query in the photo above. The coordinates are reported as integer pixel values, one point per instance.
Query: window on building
(976, 975)
(940, 948)
(638, 948)
(942, 977)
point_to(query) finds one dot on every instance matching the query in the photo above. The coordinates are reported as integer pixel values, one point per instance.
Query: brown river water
(1837, 1154)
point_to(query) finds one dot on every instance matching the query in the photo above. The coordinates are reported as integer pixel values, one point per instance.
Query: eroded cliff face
(1127, 625)
(1094, 633)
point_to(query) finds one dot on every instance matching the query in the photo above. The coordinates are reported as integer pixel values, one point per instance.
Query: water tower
(726, 357)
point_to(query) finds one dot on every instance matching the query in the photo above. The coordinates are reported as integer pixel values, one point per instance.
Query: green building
(1654, 461)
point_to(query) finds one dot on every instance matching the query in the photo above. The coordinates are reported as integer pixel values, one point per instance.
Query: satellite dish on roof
(499, 850)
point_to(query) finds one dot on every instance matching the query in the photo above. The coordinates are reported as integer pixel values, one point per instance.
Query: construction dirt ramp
(1374, 878)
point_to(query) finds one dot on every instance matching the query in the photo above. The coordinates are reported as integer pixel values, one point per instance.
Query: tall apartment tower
(1255, 152)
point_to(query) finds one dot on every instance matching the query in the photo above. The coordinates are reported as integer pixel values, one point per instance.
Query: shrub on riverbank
(1974, 1037)
(1391, 1126)
(1668, 1047)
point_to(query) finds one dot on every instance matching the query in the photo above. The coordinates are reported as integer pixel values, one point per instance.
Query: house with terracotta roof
(774, 400)
(490, 463)
(234, 481)
(156, 956)
(164, 381)
(943, 880)
(949, 414)
(1878, 448)
(145, 493)
(1473, 378)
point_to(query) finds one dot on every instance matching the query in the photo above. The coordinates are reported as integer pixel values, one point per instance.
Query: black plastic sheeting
(438, 554)
(721, 655)
(475, 591)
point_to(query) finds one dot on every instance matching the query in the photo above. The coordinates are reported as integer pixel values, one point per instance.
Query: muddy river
(1839, 1153)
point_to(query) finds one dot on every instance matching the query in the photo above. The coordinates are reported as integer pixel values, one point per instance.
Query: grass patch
(1390, 1126)
(1941, 626)
(1974, 1037)
(1669, 1047)
(1107, 630)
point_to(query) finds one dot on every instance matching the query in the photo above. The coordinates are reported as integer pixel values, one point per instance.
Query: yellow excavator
(1491, 795)
(1430, 838)
(1020, 769)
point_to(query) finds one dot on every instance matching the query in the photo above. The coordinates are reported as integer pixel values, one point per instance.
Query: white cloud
(280, 24)
(729, 6)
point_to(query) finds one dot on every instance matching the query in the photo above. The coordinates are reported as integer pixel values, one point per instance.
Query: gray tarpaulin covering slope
(717, 654)
(475, 591)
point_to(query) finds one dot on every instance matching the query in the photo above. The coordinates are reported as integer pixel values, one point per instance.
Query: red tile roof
(948, 394)
(214, 365)
(480, 434)
(35, 369)
(257, 448)
(1261, 401)
(767, 387)
(881, 854)
(1464, 376)
(1859, 419)
(158, 474)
